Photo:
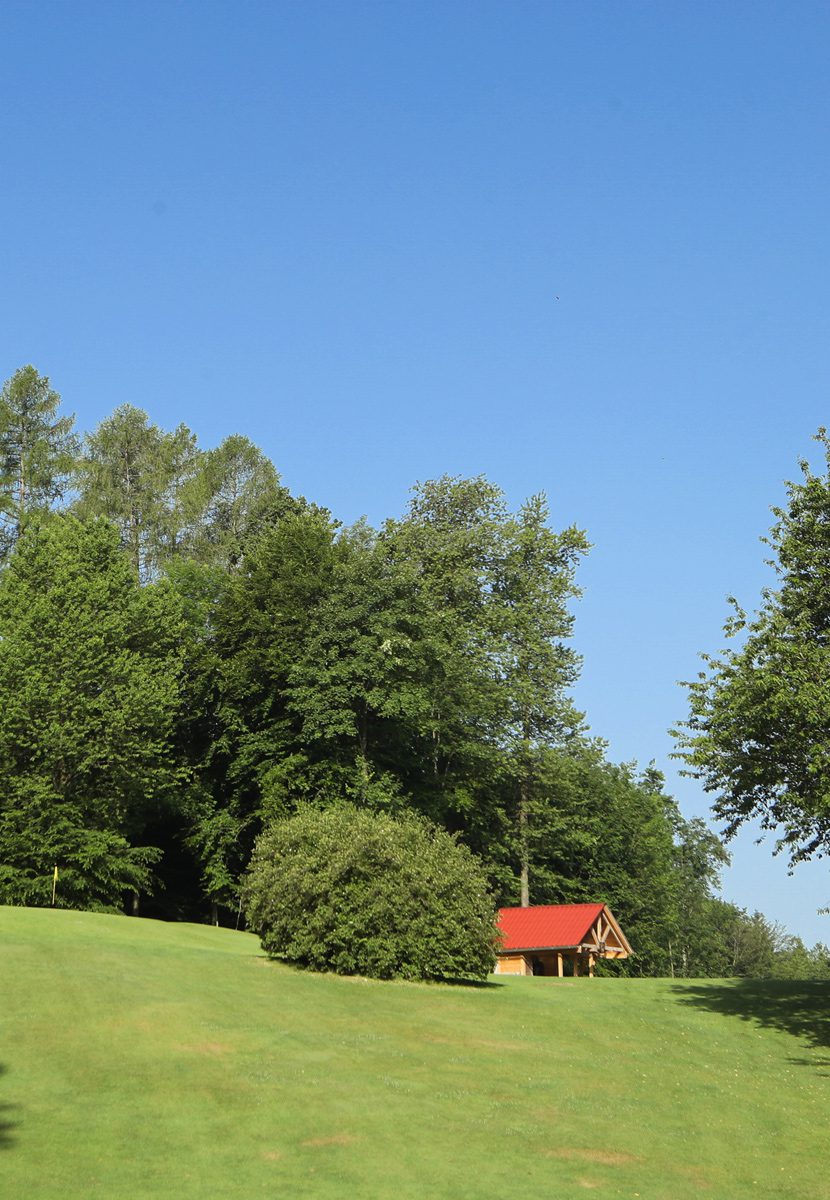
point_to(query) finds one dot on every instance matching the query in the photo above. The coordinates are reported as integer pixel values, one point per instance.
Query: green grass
(148, 1060)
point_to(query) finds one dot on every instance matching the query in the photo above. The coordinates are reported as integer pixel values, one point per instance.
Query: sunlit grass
(150, 1060)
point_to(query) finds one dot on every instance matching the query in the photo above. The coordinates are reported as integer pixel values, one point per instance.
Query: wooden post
(576, 966)
(591, 965)
(560, 969)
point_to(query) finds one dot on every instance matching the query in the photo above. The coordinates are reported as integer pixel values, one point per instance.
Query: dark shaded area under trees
(188, 652)
(8, 1121)
(801, 1008)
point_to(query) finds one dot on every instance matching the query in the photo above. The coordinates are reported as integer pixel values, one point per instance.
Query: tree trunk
(214, 913)
(524, 866)
(523, 818)
(135, 904)
(21, 484)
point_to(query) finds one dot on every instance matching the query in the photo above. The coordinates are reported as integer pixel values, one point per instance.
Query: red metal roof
(547, 925)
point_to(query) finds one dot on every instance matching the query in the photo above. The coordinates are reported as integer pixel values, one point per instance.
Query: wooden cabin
(558, 939)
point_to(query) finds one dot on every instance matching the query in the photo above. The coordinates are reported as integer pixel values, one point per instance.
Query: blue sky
(579, 248)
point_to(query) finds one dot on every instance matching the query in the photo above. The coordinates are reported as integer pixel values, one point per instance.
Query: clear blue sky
(578, 247)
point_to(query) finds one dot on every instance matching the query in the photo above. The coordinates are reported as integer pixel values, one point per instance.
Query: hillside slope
(145, 1060)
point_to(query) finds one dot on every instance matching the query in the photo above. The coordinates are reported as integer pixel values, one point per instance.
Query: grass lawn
(141, 1059)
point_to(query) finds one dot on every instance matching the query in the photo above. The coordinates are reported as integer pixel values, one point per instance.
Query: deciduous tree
(89, 675)
(758, 734)
(535, 581)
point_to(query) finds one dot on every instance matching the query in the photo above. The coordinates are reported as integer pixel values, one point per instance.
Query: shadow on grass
(801, 1008)
(482, 984)
(7, 1127)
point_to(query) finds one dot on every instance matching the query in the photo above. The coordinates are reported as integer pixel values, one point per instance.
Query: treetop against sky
(575, 249)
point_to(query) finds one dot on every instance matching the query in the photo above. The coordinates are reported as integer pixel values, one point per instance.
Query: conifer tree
(37, 452)
(141, 478)
(235, 493)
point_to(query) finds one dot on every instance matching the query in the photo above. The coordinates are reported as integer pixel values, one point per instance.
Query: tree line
(189, 652)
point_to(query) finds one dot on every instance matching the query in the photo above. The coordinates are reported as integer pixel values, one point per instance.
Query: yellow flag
(56, 874)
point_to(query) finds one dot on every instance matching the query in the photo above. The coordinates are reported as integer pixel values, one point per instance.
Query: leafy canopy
(758, 734)
(89, 675)
(363, 893)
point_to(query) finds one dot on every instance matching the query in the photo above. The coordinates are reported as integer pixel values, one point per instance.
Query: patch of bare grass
(606, 1158)
(336, 1139)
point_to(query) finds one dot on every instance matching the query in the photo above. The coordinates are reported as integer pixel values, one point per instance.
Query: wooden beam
(625, 946)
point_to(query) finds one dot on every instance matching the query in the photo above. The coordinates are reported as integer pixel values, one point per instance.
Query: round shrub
(364, 893)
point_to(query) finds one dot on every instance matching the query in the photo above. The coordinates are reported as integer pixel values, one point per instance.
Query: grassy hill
(142, 1060)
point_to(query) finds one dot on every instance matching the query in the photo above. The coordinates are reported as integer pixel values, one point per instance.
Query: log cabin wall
(512, 964)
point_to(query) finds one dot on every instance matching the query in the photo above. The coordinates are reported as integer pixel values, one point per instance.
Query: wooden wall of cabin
(512, 964)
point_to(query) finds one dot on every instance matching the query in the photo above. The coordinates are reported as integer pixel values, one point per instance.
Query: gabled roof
(547, 926)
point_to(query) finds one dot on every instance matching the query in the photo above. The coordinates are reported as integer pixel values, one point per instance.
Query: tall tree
(758, 734)
(536, 667)
(89, 675)
(487, 665)
(141, 478)
(245, 632)
(695, 923)
(358, 686)
(37, 452)
(449, 543)
(236, 492)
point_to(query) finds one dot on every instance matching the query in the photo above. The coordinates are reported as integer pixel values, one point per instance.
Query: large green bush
(362, 893)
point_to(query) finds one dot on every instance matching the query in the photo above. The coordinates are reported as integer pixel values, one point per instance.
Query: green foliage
(447, 546)
(141, 479)
(236, 494)
(37, 451)
(207, 830)
(598, 832)
(242, 656)
(89, 667)
(261, 625)
(793, 960)
(762, 949)
(534, 586)
(758, 734)
(356, 892)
